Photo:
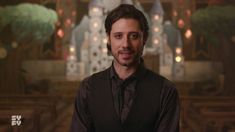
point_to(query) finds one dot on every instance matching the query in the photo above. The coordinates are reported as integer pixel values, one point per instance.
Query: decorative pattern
(72, 68)
(157, 19)
(95, 36)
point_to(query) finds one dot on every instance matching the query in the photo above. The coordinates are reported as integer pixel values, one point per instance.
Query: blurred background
(48, 46)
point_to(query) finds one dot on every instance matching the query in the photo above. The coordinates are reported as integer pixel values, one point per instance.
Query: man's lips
(126, 54)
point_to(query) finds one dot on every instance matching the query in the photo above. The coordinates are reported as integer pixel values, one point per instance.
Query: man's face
(126, 41)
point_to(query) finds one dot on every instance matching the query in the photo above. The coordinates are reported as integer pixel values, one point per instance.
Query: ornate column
(95, 36)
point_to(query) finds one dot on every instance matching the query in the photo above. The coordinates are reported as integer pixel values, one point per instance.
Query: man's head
(127, 11)
(127, 31)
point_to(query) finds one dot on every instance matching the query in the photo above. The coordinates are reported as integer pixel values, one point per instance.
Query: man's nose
(126, 42)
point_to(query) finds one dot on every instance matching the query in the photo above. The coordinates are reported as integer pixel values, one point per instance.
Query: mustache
(125, 50)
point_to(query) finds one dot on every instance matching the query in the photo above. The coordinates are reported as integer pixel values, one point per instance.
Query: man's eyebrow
(128, 32)
(135, 32)
(117, 32)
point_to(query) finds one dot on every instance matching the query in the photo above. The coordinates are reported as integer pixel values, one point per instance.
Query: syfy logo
(15, 120)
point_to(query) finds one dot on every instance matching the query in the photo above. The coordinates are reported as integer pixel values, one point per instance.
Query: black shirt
(123, 92)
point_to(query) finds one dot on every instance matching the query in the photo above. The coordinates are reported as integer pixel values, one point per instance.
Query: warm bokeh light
(188, 33)
(156, 29)
(105, 50)
(3, 53)
(178, 50)
(156, 17)
(175, 13)
(95, 25)
(178, 59)
(105, 40)
(95, 9)
(68, 21)
(181, 23)
(60, 12)
(156, 41)
(60, 33)
(95, 38)
(72, 49)
(188, 12)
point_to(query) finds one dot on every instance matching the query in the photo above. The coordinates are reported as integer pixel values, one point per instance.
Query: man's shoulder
(97, 75)
(101, 73)
(157, 77)
(153, 75)
(88, 82)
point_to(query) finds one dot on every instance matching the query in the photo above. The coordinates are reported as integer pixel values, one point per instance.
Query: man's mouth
(126, 54)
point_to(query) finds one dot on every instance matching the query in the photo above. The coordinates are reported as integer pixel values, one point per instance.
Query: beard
(131, 59)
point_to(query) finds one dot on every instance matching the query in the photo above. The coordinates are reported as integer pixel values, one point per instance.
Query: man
(126, 97)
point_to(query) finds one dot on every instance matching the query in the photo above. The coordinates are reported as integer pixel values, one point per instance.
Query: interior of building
(47, 47)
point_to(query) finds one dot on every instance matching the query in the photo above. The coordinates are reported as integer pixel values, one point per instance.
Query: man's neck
(125, 71)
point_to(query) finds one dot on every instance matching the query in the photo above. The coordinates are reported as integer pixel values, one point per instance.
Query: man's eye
(134, 36)
(118, 36)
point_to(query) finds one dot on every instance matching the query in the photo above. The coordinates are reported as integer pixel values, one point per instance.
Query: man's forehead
(125, 25)
(126, 20)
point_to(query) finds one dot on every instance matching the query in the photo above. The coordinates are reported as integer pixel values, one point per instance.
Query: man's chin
(126, 63)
